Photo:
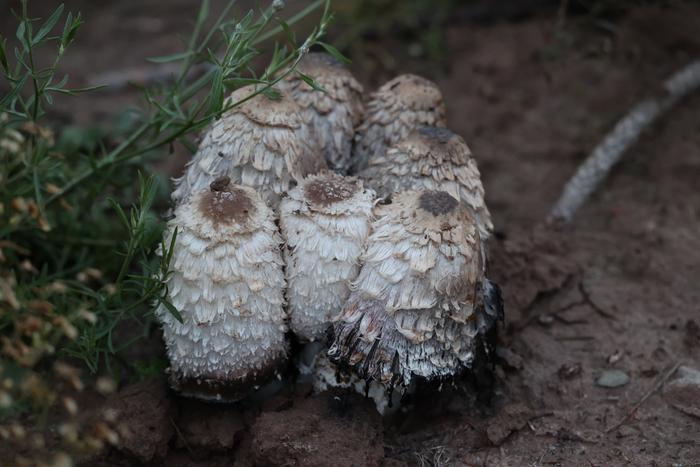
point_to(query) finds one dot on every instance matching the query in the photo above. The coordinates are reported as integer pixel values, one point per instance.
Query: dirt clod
(512, 418)
(145, 410)
(339, 430)
(532, 264)
(207, 426)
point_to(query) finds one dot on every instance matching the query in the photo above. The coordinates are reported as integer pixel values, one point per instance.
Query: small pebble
(612, 379)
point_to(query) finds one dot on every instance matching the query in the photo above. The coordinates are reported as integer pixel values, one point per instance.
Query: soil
(615, 290)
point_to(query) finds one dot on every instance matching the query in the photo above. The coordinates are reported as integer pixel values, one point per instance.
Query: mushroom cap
(280, 110)
(325, 222)
(331, 114)
(262, 143)
(414, 92)
(416, 308)
(222, 210)
(437, 144)
(226, 278)
(434, 211)
(321, 64)
(398, 107)
(332, 193)
(432, 158)
(334, 77)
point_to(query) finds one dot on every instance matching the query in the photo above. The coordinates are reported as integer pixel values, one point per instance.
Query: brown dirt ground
(615, 290)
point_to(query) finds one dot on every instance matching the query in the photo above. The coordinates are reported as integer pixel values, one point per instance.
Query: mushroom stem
(598, 164)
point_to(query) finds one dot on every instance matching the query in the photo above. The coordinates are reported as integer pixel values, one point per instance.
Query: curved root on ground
(627, 131)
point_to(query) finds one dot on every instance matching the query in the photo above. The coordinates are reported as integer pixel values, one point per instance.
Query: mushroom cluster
(354, 227)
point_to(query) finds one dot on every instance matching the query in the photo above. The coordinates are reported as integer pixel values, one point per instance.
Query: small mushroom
(261, 143)
(325, 222)
(227, 282)
(431, 158)
(332, 114)
(421, 306)
(400, 106)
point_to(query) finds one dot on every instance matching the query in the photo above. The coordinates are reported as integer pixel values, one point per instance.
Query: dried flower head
(227, 282)
(400, 106)
(325, 222)
(261, 143)
(332, 114)
(431, 158)
(421, 306)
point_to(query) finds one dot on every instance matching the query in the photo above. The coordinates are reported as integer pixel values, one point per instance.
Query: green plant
(77, 224)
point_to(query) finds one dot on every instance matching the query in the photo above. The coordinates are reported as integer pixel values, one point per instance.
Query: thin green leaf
(171, 309)
(203, 12)
(48, 25)
(3, 55)
(76, 91)
(120, 211)
(71, 27)
(216, 95)
(310, 81)
(171, 247)
(291, 38)
(20, 34)
(171, 58)
(335, 53)
(14, 91)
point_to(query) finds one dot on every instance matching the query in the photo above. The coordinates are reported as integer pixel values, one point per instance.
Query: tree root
(598, 164)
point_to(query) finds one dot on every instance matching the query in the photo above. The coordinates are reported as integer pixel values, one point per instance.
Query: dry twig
(660, 382)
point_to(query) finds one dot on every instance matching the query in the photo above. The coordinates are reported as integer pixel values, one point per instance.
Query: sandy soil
(616, 290)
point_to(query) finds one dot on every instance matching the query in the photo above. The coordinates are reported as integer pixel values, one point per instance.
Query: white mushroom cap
(431, 158)
(400, 106)
(261, 143)
(418, 307)
(227, 282)
(332, 113)
(325, 222)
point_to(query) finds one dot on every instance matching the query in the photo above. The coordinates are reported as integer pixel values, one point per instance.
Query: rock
(683, 393)
(329, 429)
(207, 426)
(512, 418)
(612, 379)
(144, 411)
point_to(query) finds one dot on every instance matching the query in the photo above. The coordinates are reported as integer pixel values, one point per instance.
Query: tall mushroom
(332, 113)
(421, 307)
(261, 143)
(227, 282)
(431, 158)
(398, 107)
(325, 222)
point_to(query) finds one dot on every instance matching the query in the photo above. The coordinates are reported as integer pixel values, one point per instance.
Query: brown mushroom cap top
(226, 203)
(414, 92)
(426, 211)
(436, 143)
(437, 202)
(281, 110)
(330, 188)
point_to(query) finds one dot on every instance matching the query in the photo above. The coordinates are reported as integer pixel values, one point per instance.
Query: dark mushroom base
(477, 380)
(212, 389)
